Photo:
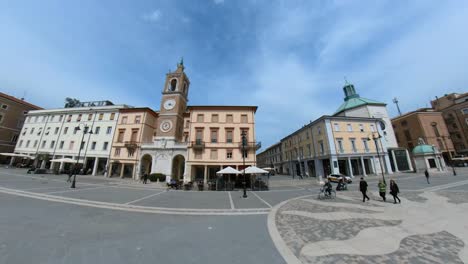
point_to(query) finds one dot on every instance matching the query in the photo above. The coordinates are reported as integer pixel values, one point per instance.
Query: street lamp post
(85, 131)
(244, 139)
(375, 138)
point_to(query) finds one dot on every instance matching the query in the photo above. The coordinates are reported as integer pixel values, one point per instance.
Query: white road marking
(43, 188)
(230, 200)
(146, 197)
(260, 198)
(76, 190)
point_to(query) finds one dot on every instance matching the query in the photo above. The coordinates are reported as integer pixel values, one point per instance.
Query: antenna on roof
(395, 101)
(346, 81)
(24, 96)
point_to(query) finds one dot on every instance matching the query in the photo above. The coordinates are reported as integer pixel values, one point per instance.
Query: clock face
(169, 104)
(166, 126)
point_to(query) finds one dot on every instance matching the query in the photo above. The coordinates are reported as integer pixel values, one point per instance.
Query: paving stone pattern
(437, 248)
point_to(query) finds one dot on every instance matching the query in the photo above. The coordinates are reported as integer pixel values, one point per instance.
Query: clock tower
(173, 105)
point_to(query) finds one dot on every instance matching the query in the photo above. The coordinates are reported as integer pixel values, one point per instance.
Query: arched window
(173, 85)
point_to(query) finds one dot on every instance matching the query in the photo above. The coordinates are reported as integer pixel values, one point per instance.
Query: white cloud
(153, 16)
(218, 2)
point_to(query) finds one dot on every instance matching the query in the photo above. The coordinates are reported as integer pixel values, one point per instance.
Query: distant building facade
(272, 157)
(13, 112)
(454, 108)
(426, 124)
(52, 134)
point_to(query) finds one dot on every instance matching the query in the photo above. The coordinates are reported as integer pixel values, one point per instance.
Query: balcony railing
(251, 145)
(197, 144)
(131, 144)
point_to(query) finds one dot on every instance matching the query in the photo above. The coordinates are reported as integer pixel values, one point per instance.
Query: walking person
(363, 189)
(70, 174)
(427, 176)
(394, 191)
(382, 189)
(145, 178)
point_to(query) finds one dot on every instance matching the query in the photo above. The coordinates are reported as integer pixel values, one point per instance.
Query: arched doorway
(178, 167)
(146, 163)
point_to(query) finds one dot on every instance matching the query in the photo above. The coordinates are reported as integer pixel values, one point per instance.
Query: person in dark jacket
(427, 176)
(363, 189)
(394, 191)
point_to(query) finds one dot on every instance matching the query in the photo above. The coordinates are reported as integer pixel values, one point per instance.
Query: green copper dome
(423, 149)
(353, 100)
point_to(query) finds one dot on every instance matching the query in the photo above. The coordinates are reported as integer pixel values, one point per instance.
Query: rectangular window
(214, 154)
(56, 131)
(372, 128)
(27, 143)
(24, 131)
(36, 118)
(124, 120)
(82, 145)
(14, 138)
(214, 135)
(134, 136)
(245, 154)
(93, 145)
(350, 128)
(79, 118)
(90, 116)
(20, 143)
(106, 144)
(319, 130)
(340, 145)
(112, 116)
(353, 144)
(199, 135)
(4, 106)
(229, 136)
(337, 126)
(361, 127)
(43, 143)
(75, 130)
(65, 131)
(364, 143)
(52, 144)
(138, 119)
(69, 118)
(229, 154)
(407, 135)
(187, 123)
(32, 131)
(120, 136)
(72, 144)
(214, 118)
(200, 118)
(465, 111)
(109, 130)
(229, 119)
(101, 116)
(61, 144)
(244, 119)
(96, 131)
(60, 118)
(130, 152)
(117, 152)
(1, 118)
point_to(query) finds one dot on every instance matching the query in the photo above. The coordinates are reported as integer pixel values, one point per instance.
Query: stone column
(12, 161)
(373, 166)
(386, 159)
(301, 169)
(306, 169)
(319, 169)
(394, 160)
(350, 167)
(122, 165)
(43, 164)
(96, 161)
(205, 175)
(409, 160)
(334, 170)
(363, 166)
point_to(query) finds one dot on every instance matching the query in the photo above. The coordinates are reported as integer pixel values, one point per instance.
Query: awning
(254, 170)
(228, 170)
(65, 160)
(16, 155)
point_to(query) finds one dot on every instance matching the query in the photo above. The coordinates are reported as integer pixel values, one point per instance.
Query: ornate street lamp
(244, 142)
(86, 130)
(376, 136)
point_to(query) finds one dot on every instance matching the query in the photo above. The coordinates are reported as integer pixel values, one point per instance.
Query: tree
(72, 102)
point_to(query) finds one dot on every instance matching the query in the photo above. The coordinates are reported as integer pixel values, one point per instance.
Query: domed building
(427, 157)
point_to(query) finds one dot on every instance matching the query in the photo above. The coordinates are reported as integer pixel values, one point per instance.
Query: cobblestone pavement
(345, 230)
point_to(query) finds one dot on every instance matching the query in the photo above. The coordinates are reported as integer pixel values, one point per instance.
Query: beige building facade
(272, 157)
(135, 126)
(13, 113)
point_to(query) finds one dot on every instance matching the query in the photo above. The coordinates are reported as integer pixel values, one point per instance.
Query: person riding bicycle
(341, 185)
(327, 187)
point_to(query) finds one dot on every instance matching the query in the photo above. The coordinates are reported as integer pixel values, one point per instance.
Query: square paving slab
(192, 199)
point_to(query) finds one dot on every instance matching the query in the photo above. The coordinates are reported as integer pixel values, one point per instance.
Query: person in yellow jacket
(382, 189)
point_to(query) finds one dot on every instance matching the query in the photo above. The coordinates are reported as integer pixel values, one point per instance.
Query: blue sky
(288, 57)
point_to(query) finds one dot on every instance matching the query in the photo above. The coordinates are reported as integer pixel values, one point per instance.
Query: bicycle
(323, 194)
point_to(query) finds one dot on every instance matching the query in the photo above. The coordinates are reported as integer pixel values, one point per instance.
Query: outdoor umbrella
(228, 170)
(65, 160)
(254, 170)
(16, 155)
